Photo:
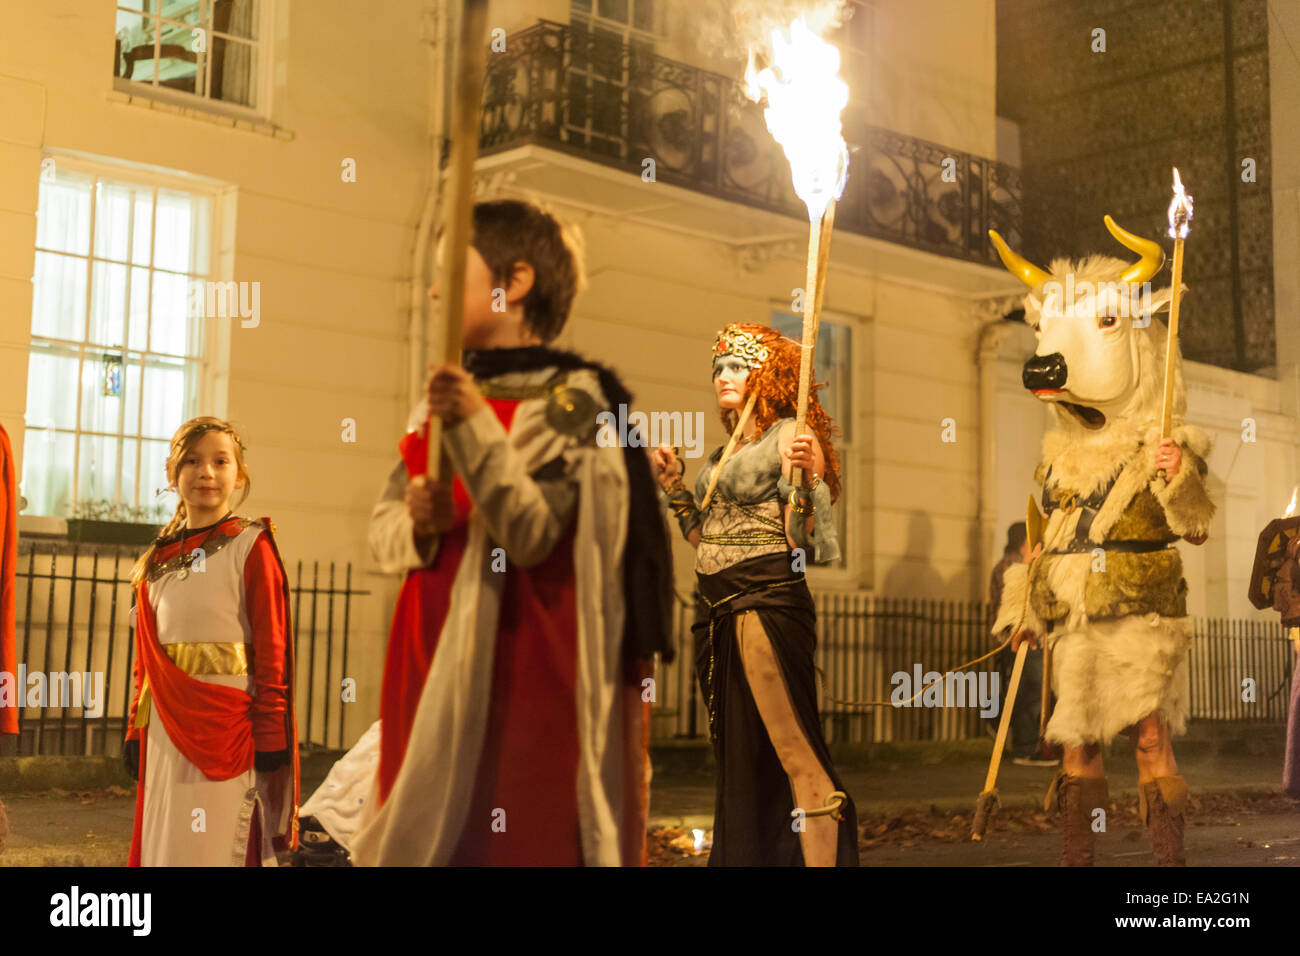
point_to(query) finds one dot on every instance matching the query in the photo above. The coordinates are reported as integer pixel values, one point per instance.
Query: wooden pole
(731, 446)
(988, 797)
(819, 250)
(1171, 346)
(457, 206)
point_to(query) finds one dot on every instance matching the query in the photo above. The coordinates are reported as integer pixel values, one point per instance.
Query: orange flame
(805, 97)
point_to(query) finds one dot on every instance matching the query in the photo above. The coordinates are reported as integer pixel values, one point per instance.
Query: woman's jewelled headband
(734, 340)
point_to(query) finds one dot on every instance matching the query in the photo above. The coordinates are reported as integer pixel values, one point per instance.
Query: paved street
(912, 814)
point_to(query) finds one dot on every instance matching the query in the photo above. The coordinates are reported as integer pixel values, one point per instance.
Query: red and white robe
(214, 685)
(513, 731)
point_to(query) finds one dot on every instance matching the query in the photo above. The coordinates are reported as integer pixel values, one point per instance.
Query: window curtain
(232, 66)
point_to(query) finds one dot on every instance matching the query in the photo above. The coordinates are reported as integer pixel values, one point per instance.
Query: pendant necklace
(187, 560)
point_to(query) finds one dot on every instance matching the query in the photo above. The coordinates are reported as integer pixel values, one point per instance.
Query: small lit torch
(1180, 223)
(805, 97)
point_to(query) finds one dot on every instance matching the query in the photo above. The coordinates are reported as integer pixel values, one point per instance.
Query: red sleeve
(268, 617)
(137, 668)
(8, 571)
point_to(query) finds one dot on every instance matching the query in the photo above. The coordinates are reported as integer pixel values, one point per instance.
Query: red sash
(8, 564)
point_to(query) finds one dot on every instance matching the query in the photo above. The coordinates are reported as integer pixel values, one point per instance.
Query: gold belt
(209, 657)
(197, 658)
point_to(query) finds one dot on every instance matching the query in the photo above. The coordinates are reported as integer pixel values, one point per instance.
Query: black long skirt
(752, 823)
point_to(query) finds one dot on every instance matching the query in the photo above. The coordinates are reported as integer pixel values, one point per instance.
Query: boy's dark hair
(507, 231)
(1016, 535)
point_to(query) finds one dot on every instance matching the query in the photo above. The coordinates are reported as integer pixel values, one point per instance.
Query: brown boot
(1075, 799)
(1161, 805)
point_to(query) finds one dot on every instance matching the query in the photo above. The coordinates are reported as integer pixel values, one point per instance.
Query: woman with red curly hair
(780, 801)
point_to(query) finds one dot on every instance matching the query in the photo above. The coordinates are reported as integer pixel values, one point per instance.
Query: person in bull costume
(1105, 586)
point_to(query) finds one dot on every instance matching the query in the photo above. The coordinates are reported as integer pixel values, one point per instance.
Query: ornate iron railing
(570, 89)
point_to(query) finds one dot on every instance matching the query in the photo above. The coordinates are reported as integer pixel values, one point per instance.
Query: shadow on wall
(914, 574)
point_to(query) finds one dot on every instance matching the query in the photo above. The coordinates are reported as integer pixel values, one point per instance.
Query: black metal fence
(76, 647)
(74, 603)
(583, 92)
(877, 649)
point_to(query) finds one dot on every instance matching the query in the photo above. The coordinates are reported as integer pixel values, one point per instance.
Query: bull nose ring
(1045, 371)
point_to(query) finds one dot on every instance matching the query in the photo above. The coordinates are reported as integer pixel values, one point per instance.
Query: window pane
(138, 314)
(612, 10)
(164, 400)
(108, 304)
(153, 475)
(52, 388)
(112, 221)
(189, 12)
(178, 61)
(47, 472)
(103, 390)
(169, 315)
(63, 220)
(580, 6)
(134, 371)
(142, 227)
(832, 363)
(59, 297)
(236, 17)
(234, 71)
(127, 8)
(643, 15)
(181, 242)
(128, 488)
(97, 470)
(135, 39)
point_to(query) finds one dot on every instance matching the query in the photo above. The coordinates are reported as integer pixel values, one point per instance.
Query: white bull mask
(1097, 354)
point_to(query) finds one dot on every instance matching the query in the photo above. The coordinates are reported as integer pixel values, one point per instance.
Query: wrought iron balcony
(566, 88)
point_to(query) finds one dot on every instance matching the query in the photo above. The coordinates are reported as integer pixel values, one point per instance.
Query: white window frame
(210, 365)
(627, 30)
(265, 72)
(848, 572)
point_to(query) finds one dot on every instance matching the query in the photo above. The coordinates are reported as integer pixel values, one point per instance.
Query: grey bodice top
(744, 518)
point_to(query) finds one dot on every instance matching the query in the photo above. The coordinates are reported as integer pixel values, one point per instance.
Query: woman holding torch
(780, 801)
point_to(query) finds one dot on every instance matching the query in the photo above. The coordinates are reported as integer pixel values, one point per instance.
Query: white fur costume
(1110, 670)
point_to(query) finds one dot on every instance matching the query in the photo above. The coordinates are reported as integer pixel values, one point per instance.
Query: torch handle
(819, 248)
(1171, 346)
(458, 195)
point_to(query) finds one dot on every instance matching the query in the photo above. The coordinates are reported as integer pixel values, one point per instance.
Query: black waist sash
(764, 581)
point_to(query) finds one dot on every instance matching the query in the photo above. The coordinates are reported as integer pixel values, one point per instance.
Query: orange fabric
(8, 565)
(218, 728)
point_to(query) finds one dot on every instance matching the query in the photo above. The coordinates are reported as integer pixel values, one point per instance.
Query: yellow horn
(1153, 257)
(1018, 265)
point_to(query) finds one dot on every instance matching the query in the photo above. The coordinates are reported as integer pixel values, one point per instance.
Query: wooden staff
(987, 802)
(731, 446)
(1171, 347)
(819, 251)
(988, 798)
(457, 207)
(1180, 222)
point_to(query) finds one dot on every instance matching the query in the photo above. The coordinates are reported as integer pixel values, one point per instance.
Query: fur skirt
(1111, 673)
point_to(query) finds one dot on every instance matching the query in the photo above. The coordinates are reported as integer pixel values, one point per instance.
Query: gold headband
(202, 430)
(733, 340)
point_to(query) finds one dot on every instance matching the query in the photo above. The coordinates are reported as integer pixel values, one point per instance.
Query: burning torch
(805, 97)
